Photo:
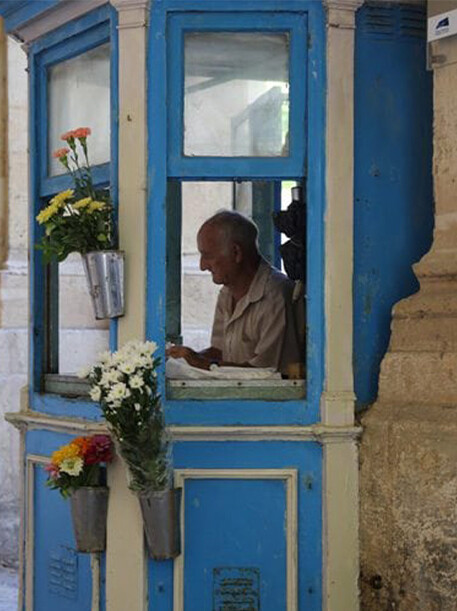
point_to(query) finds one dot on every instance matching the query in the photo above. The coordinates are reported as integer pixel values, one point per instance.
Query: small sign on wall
(442, 26)
(236, 589)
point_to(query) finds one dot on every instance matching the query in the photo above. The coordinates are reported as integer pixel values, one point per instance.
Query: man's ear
(238, 252)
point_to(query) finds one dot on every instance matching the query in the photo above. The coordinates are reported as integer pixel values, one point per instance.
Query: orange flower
(83, 444)
(60, 153)
(82, 132)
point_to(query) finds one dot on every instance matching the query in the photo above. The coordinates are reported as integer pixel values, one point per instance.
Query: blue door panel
(238, 528)
(62, 579)
(61, 576)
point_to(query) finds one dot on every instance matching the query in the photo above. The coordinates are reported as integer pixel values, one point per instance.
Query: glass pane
(236, 94)
(79, 96)
(81, 336)
(200, 200)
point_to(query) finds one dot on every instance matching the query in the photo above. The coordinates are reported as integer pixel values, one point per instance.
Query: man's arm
(203, 359)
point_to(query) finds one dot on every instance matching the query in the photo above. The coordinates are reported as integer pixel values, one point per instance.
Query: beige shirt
(255, 331)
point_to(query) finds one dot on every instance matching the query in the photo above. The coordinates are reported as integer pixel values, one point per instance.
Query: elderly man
(253, 322)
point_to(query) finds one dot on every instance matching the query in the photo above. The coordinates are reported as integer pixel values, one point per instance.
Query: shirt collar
(256, 290)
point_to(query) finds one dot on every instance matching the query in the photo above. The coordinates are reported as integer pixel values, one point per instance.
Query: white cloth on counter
(179, 369)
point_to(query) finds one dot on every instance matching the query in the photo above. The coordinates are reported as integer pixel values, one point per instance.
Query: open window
(73, 85)
(236, 141)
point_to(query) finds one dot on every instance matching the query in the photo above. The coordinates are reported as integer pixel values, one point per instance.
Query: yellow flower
(82, 203)
(69, 451)
(72, 466)
(47, 213)
(96, 206)
(61, 198)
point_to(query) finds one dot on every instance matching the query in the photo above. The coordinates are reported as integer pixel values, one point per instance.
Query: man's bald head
(235, 228)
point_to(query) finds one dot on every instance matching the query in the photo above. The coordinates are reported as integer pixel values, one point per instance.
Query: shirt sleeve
(272, 327)
(217, 334)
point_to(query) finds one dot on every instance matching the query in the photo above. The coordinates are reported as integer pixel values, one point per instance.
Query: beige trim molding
(319, 433)
(53, 18)
(316, 432)
(126, 561)
(132, 13)
(339, 213)
(36, 420)
(31, 461)
(340, 485)
(290, 478)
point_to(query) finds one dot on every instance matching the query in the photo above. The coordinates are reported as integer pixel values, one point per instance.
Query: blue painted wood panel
(393, 209)
(61, 576)
(238, 524)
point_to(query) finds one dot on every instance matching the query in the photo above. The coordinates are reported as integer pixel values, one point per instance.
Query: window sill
(269, 390)
(266, 390)
(66, 385)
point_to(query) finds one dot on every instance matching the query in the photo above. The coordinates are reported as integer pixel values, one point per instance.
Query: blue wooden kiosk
(269, 472)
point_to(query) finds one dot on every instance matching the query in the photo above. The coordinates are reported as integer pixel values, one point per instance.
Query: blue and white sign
(442, 26)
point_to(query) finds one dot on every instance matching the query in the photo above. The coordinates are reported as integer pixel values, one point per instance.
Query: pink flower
(60, 153)
(82, 132)
(68, 135)
(53, 471)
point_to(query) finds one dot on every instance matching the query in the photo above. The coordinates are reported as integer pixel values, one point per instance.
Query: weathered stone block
(408, 511)
(419, 377)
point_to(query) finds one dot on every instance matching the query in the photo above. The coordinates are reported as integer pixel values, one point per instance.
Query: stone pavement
(8, 589)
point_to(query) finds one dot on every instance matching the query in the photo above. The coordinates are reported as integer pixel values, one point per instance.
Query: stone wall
(409, 447)
(13, 292)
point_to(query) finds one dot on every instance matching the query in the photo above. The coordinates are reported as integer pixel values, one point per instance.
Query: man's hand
(193, 358)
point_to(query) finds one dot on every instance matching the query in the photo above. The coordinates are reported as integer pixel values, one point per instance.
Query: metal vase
(105, 279)
(89, 507)
(161, 523)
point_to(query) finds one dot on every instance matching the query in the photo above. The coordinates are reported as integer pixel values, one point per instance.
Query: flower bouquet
(81, 220)
(77, 470)
(125, 385)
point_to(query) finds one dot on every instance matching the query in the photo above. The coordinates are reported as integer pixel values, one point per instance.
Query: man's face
(216, 255)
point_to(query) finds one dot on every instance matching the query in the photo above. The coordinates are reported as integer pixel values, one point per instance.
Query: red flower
(99, 450)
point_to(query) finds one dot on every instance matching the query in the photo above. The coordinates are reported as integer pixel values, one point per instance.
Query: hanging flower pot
(161, 522)
(78, 471)
(104, 271)
(125, 383)
(89, 507)
(81, 219)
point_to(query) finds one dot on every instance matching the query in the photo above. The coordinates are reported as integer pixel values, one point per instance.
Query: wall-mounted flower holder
(104, 271)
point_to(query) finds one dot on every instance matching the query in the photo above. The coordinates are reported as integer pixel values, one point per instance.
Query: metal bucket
(161, 523)
(105, 279)
(89, 507)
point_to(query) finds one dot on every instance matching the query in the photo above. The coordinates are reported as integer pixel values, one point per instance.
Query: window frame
(247, 411)
(72, 39)
(181, 166)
